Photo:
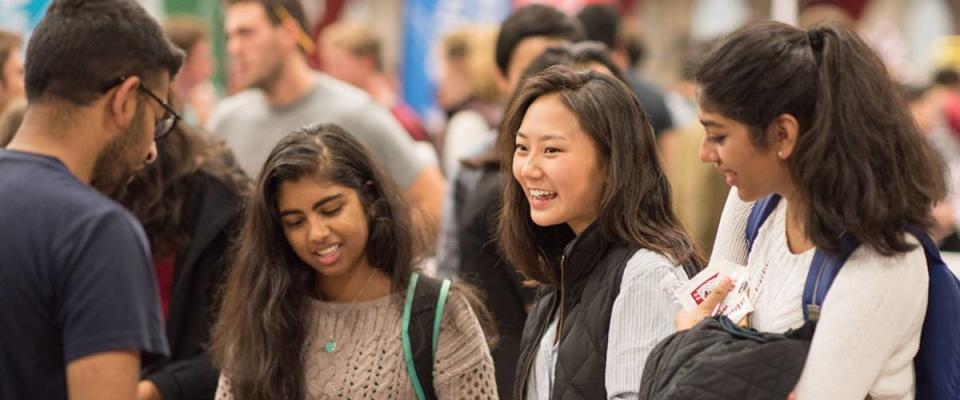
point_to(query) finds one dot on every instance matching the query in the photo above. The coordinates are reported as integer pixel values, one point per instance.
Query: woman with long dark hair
(586, 214)
(813, 117)
(314, 302)
(189, 203)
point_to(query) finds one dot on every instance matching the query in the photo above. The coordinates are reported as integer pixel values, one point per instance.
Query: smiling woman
(314, 305)
(841, 150)
(589, 197)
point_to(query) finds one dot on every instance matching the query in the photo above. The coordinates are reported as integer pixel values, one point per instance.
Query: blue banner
(424, 23)
(22, 15)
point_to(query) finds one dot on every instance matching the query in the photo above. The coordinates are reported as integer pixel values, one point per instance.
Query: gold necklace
(331, 345)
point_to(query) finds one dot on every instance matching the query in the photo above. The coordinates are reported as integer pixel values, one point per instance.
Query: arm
(426, 196)
(448, 246)
(642, 316)
(870, 325)
(731, 242)
(463, 367)
(190, 378)
(104, 376)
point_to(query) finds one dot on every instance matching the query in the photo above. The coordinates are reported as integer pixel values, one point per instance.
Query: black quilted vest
(592, 269)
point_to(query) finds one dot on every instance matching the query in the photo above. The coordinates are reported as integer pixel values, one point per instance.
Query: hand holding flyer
(735, 306)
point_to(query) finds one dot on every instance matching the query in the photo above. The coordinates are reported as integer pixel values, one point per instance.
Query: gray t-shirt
(252, 127)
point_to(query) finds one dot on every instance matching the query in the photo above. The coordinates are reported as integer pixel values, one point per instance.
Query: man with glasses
(79, 306)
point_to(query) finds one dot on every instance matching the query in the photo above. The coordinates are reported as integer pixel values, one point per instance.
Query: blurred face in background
(343, 64)
(526, 51)
(199, 66)
(11, 84)
(256, 47)
(453, 86)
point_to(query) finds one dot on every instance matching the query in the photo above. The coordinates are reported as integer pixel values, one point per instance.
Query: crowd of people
(308, 237)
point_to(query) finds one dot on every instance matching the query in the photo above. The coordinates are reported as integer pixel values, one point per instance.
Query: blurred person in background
(189, 203)
(193, 87)
(10, 121)
(928, 110)
(11, 68)
(601, 22)
(467, 91)
(353, 53)
(266, 43)
(699, 191)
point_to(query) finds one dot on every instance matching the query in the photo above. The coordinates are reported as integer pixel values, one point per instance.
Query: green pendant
(330, 346)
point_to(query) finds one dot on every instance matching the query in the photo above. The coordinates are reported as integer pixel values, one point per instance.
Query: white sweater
(870, 323)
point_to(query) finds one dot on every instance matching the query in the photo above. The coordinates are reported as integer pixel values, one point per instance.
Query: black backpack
(420, 330)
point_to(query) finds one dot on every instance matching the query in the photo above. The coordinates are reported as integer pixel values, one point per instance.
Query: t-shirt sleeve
(109, 294)
(387, 139)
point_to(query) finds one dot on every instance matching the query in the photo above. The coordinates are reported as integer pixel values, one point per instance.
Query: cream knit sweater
(869, 327)
(368, 362)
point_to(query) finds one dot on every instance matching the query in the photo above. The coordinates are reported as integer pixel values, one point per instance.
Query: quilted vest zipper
(543, 329)
(526, 368)
(562, 291)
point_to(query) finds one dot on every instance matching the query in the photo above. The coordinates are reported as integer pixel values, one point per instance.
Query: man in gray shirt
(265, 40)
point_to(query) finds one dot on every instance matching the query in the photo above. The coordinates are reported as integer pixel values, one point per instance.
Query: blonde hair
(356, 38)
(186, 31)
(475, 47)
(10, 120)
(9, 42)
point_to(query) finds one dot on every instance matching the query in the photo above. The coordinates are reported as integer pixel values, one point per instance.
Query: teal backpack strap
(420, 330)
(441, 303)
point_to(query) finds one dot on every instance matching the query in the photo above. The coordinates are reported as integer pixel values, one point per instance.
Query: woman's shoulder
(647, 269)
(459, 314)
(646, 261)
(901, 268)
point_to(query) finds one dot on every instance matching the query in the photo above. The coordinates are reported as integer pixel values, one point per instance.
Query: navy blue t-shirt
(75, 277)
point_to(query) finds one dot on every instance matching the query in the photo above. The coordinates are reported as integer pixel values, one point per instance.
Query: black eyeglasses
(166, 124)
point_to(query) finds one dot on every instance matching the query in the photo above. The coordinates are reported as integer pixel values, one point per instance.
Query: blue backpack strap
(823, 270)
(937, 364)
(761, 210)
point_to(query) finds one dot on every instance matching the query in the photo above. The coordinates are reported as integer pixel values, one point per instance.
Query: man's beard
(269, 80)
(119, 160)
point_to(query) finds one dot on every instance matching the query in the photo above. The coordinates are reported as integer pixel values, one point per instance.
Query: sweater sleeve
(642, 316)
(869, 329)
(731, 243)
(463, 368)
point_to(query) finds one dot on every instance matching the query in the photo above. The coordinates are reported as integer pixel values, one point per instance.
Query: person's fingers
(717, 296)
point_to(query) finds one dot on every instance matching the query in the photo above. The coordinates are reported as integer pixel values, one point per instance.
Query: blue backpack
(937, 364)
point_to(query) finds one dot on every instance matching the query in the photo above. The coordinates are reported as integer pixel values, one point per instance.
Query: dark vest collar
(581, 256)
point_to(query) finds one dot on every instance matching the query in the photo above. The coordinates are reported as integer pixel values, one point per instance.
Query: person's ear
(123, 104)
(784, 131)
